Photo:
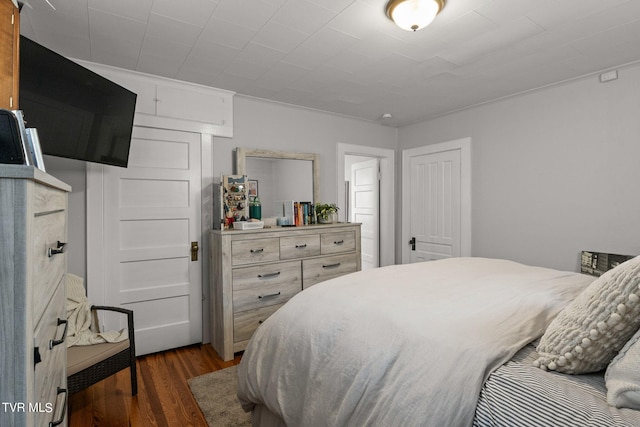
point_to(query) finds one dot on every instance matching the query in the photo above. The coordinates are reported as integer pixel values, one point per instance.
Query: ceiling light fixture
(413, 15)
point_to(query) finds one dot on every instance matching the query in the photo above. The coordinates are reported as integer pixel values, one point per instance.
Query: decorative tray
(248, 225)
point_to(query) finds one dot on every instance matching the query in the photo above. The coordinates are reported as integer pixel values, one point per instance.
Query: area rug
(216, 395)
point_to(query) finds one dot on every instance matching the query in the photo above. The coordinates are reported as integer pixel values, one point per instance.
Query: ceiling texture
(346, 56)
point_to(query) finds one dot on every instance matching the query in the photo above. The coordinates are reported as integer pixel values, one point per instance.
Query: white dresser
(33, 231)
(254, 272)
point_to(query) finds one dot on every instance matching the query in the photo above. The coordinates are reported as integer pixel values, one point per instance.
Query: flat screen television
(78, 114)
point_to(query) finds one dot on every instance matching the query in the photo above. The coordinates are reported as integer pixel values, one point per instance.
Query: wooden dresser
(254, 272)
(33, 229)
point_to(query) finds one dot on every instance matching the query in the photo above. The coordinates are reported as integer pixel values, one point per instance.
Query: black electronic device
(78, 113)
(12, 148)
(598, 263)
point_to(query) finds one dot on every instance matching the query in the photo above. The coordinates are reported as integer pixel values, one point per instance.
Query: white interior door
(151, 215)
(436, 202)
(365, 207)
(388, 212)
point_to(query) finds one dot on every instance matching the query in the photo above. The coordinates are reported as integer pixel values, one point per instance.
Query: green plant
(324, 210)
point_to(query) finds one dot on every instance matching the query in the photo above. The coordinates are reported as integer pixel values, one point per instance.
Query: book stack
(299, 213)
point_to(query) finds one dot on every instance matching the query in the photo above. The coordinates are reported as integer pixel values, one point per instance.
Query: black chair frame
(104, 369)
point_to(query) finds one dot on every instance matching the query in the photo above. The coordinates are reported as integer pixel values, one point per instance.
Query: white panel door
(434, 206)
(365, 204)
(151, 215)
(436, 201)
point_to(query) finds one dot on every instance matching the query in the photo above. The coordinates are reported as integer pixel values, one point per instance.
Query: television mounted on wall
(78, 114)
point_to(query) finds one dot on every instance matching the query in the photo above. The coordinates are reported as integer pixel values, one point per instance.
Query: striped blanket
(518, 394)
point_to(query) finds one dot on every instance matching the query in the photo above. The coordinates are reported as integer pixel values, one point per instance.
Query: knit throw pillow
(623, 376)
(590, 331)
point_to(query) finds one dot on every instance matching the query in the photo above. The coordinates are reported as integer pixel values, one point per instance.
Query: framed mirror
(277, 176)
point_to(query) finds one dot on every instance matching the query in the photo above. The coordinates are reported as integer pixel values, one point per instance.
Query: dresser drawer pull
(337, 264)
(36, 356)
(53, 343)
(257, 251)
(64, 408)
(338, 242)
(277, 294)
(301, 246)
(268, 275)
(59, 249)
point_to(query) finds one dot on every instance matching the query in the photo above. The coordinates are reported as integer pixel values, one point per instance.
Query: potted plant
(326, 212)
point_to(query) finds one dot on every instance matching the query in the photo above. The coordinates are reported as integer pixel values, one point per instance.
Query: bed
(428, 344)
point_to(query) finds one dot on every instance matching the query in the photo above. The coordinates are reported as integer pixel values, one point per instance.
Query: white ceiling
(346, 56)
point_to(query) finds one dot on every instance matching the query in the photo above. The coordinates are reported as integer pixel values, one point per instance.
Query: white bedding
(400, 345)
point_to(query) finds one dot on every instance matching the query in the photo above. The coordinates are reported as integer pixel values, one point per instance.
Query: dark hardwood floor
(163, 399)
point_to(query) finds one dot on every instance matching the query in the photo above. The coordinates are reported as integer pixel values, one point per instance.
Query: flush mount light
(413, 15)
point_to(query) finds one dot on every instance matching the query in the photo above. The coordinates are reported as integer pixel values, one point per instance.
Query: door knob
(194, 251)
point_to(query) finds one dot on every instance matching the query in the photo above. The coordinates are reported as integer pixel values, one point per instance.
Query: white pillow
(623, 376)
(590, 331)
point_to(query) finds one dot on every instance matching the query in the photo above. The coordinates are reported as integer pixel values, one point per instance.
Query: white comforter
(402, 345)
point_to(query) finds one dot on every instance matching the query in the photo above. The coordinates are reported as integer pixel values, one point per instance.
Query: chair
(88, 364)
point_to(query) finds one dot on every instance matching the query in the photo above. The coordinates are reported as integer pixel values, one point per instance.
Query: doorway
(363, 204)
(384, 242)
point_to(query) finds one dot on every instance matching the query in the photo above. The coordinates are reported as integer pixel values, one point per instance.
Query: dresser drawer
(255, 287)
(265, 274)
(299, 246)
(320, 269)
(49, 373)
(333, 243)
(53, 408)
(245, 323)
(48, 199)
(47, 271)
(254, 251)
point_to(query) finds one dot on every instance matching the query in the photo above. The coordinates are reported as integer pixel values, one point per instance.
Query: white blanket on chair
(81, 330)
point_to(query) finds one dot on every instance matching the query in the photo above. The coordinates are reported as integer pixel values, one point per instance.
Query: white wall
(554, 171)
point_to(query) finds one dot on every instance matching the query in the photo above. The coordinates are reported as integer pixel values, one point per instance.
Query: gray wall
(257, 124)
(73, 172)
(553, 171)
(273, 126)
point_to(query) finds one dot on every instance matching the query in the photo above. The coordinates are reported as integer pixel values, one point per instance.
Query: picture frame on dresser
(33, 140)
(253, 187)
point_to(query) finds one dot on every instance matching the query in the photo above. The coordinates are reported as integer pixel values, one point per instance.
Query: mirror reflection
(276, 176)
(277, 180)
